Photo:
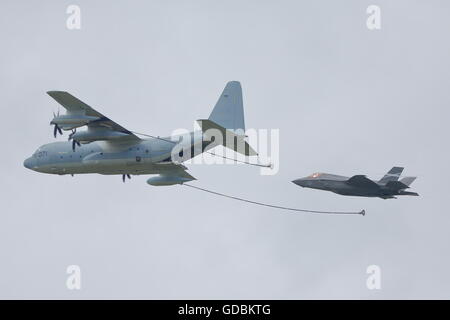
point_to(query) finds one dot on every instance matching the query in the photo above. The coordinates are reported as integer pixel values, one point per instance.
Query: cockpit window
(315, 175)
(40, 153)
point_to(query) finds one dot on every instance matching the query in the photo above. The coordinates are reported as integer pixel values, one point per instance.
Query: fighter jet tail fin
(392, 175)
(402, 184)
(229, 109)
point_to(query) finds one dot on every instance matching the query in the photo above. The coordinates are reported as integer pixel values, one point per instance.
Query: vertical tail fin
(227, 119)
(408, 180)
(229, 109)
(392, 175)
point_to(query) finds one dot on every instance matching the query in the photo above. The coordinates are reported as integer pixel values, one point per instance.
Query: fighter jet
(107, 148)
(386, 188)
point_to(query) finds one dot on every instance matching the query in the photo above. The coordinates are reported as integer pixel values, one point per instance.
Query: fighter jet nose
(28, 163)
(299, 182)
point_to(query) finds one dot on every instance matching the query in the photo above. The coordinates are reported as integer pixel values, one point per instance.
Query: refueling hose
(362, 212)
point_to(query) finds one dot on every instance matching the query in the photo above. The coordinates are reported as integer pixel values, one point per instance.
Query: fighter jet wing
(362, 181)
(75, 106)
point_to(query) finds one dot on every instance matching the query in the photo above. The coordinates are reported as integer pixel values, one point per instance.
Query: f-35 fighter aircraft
(387, 188)
(108, 148)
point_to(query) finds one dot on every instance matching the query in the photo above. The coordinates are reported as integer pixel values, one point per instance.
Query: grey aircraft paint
(359, 185)
(108, 148)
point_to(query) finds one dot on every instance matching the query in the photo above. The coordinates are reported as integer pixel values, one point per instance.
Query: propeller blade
(59, 130)
(71, 135)
(55, 130)
(75, 142)
(123, 178)
(128, 176)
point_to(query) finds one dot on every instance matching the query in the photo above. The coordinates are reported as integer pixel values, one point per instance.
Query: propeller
(125, 176)
(71, 135)
(57, 129)
(75, 142)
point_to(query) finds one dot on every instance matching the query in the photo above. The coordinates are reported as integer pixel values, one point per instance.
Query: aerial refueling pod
(167, 180)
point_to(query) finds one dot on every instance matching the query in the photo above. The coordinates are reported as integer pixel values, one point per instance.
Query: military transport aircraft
(107, 148)
(386, 188)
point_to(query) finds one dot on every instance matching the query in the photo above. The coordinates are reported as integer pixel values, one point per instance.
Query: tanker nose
(29, 163)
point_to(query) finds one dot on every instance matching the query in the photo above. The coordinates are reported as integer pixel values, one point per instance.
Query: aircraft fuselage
(341, 187)
(104, 158)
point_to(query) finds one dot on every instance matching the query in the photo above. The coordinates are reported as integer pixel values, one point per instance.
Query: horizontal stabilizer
(408, 193)
(408, 180)
(225, 137)
(396, 185)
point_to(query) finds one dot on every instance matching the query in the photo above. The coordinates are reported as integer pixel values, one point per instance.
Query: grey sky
(346, 100)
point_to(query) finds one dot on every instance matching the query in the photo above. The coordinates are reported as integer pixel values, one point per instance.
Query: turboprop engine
(96, 135)
(71, 121)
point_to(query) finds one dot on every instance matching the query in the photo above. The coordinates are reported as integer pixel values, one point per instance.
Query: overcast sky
(346, 100)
